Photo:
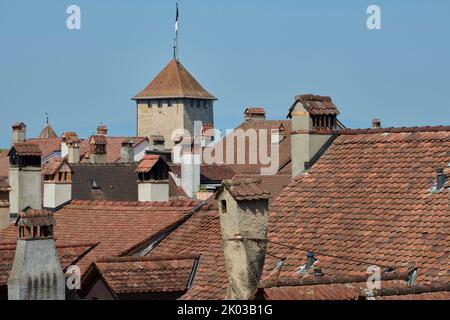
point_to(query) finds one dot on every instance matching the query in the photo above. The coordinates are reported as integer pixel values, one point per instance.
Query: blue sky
(246, 52)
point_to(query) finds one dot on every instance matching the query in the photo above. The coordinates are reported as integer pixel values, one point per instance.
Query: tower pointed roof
(174, 81)
(47, 132)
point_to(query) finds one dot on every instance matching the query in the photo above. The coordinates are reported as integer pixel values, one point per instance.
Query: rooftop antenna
(46, 116)
(177, 19)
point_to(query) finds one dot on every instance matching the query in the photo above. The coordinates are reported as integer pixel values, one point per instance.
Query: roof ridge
(394, 130)
(170, 204)
(116, 259)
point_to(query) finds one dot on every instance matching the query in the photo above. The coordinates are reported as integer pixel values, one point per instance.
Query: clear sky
(245, 52)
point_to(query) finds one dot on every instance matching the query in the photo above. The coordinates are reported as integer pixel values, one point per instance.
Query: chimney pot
(252, 113)
(376, 124)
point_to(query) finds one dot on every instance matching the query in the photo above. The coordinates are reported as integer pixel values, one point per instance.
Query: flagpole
(176, 35)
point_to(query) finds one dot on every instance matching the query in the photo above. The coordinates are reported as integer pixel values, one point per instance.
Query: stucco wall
(153, 191)
(36, 273)
(56, 194)
(26, 189)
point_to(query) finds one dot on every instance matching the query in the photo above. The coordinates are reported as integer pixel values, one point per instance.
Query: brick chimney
(376, 124)
(127, 151)
(190, 168)
(255, 113)
(24, 177)
(314, 122)
(57, 176)
(244, 214)
(36, 273)
(153, 179)
(97, 149)
(19, 132)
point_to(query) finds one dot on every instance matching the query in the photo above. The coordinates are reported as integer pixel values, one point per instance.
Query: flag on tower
(176, 20)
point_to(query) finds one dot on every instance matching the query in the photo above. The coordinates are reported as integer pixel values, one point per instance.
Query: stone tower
(244, 218)
(25, 177)
(36, 273)
(173, 100)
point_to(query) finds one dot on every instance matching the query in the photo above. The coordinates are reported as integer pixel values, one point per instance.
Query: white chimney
(153, 179)
(57, 183)
(190, 170)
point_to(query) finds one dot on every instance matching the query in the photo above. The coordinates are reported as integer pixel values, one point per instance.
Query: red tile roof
(116, 226)
(47, 132)
(27, 149)
(113, 147)
(4, 163)
(174, 81)
(245, 189)
(147, 163)
(53, 166)
(259, 125)
(367, 201)
(147, 274)
(200, 235)
(273, 184)
(316, 105)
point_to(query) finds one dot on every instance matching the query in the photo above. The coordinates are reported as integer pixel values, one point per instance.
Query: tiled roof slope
(140, 275)
(258, 125)
(367, 201)
(68, 253)
(200, 235)
(116, 182)
(27, 149)
(245, 189)
(273, 184)
(174, 81)
(113, 147)
(116, 226)
(316, 105)
(47, 132)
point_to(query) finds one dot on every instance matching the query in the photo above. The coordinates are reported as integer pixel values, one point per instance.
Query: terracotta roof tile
(200, 235)
(316, 105)
(367, 201)
(259, 125)
(148, 274)
(116, 226)
(245, 189)
(4, 185)
(147, 163)
(27, 148)
(47, 132)
(174, 81)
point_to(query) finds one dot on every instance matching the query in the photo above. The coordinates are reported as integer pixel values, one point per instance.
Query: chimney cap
(19, 125)
(376, 123)
(255, 113)
(127, 142)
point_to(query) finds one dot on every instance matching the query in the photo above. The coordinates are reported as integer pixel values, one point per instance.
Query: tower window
(223, 204)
